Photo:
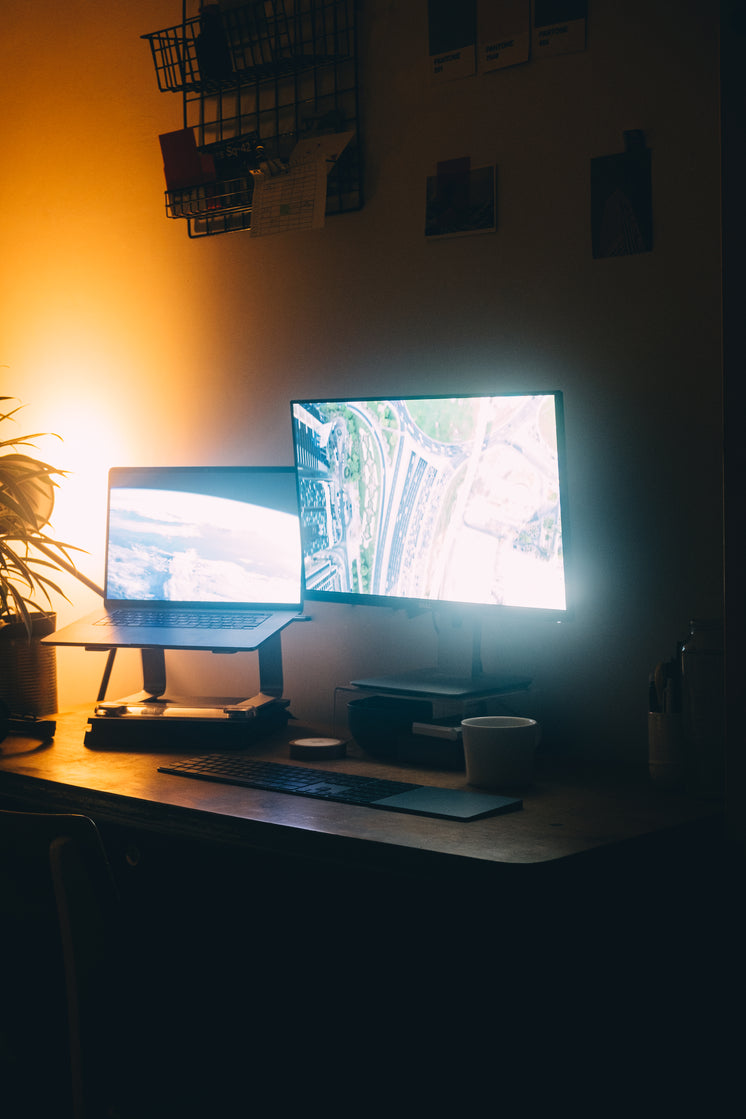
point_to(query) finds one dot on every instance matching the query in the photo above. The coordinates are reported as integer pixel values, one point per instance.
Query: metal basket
(254, 41)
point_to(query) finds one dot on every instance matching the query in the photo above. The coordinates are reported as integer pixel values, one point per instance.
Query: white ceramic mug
(499, 751)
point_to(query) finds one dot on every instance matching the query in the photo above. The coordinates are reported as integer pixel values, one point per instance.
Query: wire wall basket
(255, 80)
(254, 41)
(211, 199)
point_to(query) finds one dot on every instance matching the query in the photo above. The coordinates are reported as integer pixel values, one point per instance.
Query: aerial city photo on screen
(435, 499)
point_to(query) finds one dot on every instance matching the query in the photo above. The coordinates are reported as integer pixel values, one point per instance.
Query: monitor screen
(434, 500)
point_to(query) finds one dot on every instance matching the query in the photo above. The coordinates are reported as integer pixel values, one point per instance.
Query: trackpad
(449, 804)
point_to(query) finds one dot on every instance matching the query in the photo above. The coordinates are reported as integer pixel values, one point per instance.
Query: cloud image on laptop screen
(172, 546)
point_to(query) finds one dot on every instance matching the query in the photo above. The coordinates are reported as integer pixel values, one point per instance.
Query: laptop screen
(203, 536)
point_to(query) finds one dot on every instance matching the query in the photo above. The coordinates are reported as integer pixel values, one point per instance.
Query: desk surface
(564, 814)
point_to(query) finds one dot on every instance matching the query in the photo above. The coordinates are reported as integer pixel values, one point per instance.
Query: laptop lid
(218, 539)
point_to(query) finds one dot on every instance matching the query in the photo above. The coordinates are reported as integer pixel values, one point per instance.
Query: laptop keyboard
(184, 619)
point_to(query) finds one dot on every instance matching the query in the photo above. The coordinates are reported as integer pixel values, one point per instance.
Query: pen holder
(666, 748)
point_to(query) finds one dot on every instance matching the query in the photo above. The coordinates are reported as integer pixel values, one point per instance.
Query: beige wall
(138, 345)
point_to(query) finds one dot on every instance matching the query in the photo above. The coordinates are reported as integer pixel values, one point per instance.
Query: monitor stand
(445, 681)
(432, 682)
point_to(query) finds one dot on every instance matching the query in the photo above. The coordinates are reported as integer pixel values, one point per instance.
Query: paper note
(504, 33)
(559, 27)
(291, 201)
(327, 147)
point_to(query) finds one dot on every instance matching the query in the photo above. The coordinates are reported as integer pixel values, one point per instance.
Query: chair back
(60, 955)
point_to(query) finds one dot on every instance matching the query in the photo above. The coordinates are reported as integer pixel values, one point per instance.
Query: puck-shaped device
(318, 748)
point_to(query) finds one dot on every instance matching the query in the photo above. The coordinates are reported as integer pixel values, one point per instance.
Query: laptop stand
(148, 718)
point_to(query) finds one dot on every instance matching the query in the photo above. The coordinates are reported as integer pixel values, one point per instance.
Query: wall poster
(461, 199)
(621, 201)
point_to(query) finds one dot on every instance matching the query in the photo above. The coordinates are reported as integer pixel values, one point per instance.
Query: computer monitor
(435, 501)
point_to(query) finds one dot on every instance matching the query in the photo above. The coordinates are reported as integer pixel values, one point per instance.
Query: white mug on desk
(499, 751)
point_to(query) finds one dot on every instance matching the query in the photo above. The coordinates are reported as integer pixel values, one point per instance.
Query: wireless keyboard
(343, 788)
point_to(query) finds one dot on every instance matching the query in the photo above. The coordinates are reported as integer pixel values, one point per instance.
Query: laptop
(196, 558)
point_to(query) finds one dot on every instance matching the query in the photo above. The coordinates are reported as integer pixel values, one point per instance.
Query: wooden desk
(582, 898)
(566, 813)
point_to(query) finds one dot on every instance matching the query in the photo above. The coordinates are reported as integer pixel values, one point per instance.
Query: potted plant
(28, 558)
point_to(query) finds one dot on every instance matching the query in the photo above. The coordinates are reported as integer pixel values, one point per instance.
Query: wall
(138, 345)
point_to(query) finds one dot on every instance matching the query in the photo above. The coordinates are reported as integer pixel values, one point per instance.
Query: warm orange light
(91, 444)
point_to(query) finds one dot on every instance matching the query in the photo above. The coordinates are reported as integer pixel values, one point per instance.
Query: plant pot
(28, 669)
